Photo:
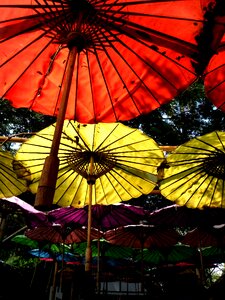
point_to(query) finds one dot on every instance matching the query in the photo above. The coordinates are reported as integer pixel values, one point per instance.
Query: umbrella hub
(77, 20)
(214, 165)
(79, 161)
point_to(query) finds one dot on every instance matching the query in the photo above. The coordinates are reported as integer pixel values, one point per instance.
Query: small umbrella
(195, 173)
(10, 184)
(168, 255)
(106, 249)
(183, 216)
(67, 256)
(57, 233)
(25, 241)
(33, 217)
(104, 217)
(213, 254)
(103, 251)
(142, 236)
(205, 236)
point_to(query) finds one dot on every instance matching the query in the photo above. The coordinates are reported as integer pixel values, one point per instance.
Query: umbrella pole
(98, 266)
(54, 281)
(46, 189)
(88, 254)
(2, 227)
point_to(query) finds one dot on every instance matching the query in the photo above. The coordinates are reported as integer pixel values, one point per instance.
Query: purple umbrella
(104, 217)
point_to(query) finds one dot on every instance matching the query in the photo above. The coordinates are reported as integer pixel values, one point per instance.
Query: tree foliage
(191, 114)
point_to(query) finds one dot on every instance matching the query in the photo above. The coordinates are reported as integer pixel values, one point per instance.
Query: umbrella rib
(155, 49)
(112, 185)
(27, 17)
(147, 15)
(67, 137)
(141, 59)
(3, 183)
(25, 69)
(182, 178)
(133, 29)
(146, 62)
(91, 84)
(96, 33)
(202, 150)
(24, 48)
(126, 62)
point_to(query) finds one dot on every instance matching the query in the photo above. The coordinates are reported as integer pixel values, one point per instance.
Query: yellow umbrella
(10, 184)
(195, 176)
(102, 163)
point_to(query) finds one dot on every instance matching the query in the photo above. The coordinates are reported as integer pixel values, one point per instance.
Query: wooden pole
(88, 254)
(13, 139)
(46, 189)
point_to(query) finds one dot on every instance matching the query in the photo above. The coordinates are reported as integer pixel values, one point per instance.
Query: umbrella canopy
(213, 254)
(66, 257)
(142, 236)
(118, 161)
(59, 234)
(102, 248)
(10, 184)
(25, 241)
(213, 76)
(104, 217)
(168, 255)
(214, 79)
(33, 217)
(183, 216)
(195, 175)
(205, 236)
(126, 58)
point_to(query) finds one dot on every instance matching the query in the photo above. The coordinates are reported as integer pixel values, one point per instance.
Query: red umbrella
(214, 79)
(57, 233)
(104, 217)
(205, 236)
(126, 57)
(142, 236)
(213, 76)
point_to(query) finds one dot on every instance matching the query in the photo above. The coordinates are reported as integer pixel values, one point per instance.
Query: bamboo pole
(46, 188)
(88, 254)
(13, 139)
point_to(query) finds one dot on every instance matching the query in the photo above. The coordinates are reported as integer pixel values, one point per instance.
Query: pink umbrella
(33, 217)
